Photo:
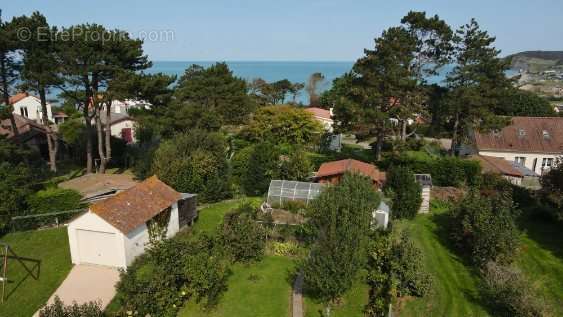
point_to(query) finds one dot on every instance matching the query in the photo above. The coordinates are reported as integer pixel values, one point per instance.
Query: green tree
(477, 84)
(263, 164)
(217, 91)
(483, 228)
(295, 165)
(241, 236)
(194, 162)
(340, 220)
(552, 188)
(518, 102)
(9, 65)
(283, 125)
(406, 192)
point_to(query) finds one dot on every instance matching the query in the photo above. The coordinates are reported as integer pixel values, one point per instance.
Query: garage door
(96, 247)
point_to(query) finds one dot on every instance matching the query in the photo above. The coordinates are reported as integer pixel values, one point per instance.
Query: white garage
(115, 231)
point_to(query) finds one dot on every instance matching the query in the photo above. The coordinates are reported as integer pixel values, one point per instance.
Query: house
(29, 106)
(59, 117)
(31, 133)
(115, 231)
(499, 166)
(425, 181)
(122, 126)
(331, 172)
(532, 142)
(325, 119)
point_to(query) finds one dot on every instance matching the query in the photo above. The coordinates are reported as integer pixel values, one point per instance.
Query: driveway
(87, 283)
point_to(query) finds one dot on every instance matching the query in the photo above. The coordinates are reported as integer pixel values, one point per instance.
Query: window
(546, 134)
(23, 112)
(546, 163)
(520, 160)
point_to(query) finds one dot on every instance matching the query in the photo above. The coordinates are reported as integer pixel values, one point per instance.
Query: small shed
(115, 231)
(425, 181)
(332, 172)
(381, 216)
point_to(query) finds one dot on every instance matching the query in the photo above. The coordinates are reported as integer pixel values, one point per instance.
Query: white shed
(425, 181)
(114, 232)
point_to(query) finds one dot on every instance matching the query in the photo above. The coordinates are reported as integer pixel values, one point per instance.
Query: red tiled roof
(135, 206)
(350, 165)
(319, 112)
(23, 124)
(525, 134)
(17, 97)
(497, 165)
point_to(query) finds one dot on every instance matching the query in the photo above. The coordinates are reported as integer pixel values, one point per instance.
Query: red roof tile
(350, 165)
(525, 134)
(497, 165)
(17, 97)
(135, 206)
(319, 112)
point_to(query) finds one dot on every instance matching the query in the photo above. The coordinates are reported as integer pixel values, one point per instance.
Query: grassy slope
(353, 302)
(212, 215)
(454, 289)
(26, 295)
(268, 296)
(541, 259)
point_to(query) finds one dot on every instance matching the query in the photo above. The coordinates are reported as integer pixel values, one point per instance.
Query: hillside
(537, 61)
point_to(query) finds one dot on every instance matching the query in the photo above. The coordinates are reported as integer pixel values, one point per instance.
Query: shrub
(263, 163)
(340, 221)
(406, 266)
(484, 228)
(239, 164)
(58, 309)
(288, 248)
(509, 293)
(195, 162)
(405, 192)
(295, 166)
(241, 237)
(54, 199)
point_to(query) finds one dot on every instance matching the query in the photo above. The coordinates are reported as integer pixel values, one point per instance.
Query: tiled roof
(319, 112)
(350, 165)
(525, 134)
(135, 206)
(497, 165)
(17, 97)
(26, 127)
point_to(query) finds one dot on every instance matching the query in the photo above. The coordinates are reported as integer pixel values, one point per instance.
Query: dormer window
(546, 134)
(521, 132)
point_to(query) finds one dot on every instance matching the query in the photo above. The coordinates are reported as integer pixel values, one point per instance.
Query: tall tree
(39, 71)
(477, 83)
(90, 57)
(9, 66)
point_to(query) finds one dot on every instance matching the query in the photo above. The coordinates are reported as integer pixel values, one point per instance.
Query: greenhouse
(281, 191)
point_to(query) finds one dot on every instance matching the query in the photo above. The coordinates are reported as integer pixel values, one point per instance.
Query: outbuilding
(115, 231)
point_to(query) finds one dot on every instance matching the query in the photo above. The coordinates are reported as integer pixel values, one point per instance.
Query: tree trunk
(108, 131)
(52, 142)
(379, 146)
(455, 135)
(6, 95)
(99, 129)
(88, 123)
(404, 130)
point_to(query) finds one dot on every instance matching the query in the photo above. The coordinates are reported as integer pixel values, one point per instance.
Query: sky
(294, 30)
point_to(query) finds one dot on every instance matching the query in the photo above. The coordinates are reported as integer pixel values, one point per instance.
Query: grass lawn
(454, 289)
(25, 295)
(541, 259)
(211, 215)
(353, 302)
(259, 289)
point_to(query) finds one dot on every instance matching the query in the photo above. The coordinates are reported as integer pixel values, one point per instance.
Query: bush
(288, 248)
(241, 237)
(405, 192)
(58, 309)
(406, 265)
(54, 199)
(483, 227)
(263, 163)
(239, 164)
(159, 282)
(509, 293)
(295, 166)
(195, 162)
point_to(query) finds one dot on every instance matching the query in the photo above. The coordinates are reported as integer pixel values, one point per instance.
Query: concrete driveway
(87, 283)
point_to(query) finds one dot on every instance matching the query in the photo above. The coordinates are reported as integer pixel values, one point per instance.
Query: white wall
(33, 106)
(92, 222)
(511, 156)
(117, 127)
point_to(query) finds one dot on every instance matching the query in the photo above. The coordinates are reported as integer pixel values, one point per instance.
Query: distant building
(122, 126)
(29, 106)
(532, 142)
(30, 133)
(332, 172)
(325, 118)
(499, 166)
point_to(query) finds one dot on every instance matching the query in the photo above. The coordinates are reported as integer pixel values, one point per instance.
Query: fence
(35, 221)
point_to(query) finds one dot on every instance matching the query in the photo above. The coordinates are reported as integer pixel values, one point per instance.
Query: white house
(533, 142)
(115, 231)
(325, 118)
(29, 106)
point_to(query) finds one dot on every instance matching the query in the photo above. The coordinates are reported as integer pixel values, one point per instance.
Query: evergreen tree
(406, 192)
(262, 166)
(477, 83)
(9, 66)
